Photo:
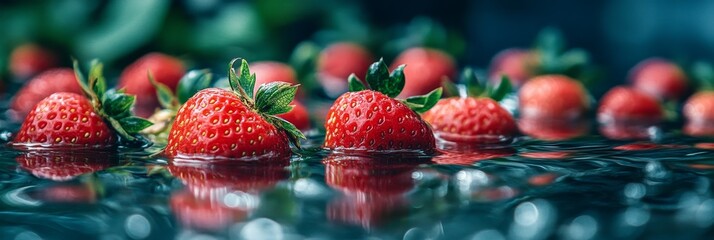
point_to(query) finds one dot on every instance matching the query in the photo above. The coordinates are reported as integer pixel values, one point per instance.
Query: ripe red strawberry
(372, 120)
(336, 62)
(268, 71)
(69, 120)
(219, 123)
(624, 104)
(42, 86)
(29, 59)
(552, 96)
(62, 166)
(427, 69)
(479, 120)
(699, 112)
(134, 79)
(299, 116)
(660, 78)
(515, 63)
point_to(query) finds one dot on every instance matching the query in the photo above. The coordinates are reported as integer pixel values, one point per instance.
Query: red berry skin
(515, 63)
(338, 61)
(699, 112)
(624, 104)
(29, 59)
(371, 121)
(65, 120)
(552, 96)
(475, 120)
(134, 79)
(660, 78)
(42, 86)
(214, 123)
(299, 116)
(426, 68)
(268, 71)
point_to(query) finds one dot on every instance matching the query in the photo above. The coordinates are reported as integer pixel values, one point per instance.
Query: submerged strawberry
(515, 63)
(367, 119)
(219, 123)
(660, 78)
(134, 79)
(427, 69)
(554, 97)
(29, 59)
(42, 86)
(336, 62)
(624, 104)
(71, 120)
(479, 119)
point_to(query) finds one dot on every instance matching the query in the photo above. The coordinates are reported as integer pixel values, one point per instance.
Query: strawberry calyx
(114, 106)
(554, 58)
(471, 86)
(703, 74)
(270, 100)
(379, 79)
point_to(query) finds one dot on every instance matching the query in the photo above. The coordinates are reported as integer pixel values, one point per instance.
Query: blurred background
(207, 33)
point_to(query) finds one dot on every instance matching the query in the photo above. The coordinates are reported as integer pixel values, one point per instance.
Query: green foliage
(423, 103)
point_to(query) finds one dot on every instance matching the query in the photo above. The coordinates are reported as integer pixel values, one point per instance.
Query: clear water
(586, 188)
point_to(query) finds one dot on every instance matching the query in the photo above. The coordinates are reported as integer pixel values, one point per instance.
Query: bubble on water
(695, 210)
(5, 136)
(533, 220)
(242, 200)
(471, 179)
(137, 226)
(309, 188)
(635, 191)
(488, 234)
(260, 229)
(655, 133)
(415, 233)
(704, 214)
(27, 235)
(655, 171)
(635, 216)
(581, 228)
(702, 185)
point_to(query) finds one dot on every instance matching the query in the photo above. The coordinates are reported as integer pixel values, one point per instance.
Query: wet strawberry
(478, 120)
(69, 120)
(134, 79)
(660, 78)
(219, 123)
(553, 96)
(624, 104)
(699, 112)
(29, 59)
(336, 62)
(299, 116)
(427, 68)
(42, 86)
(372, 120)
(515, 63)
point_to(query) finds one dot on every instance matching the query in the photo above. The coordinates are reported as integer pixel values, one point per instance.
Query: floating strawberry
(336, 62)
(42, 86)
(624, 104)
(370, 119)
(699, 108)
(165, 69)
(515, 63)
(29, 59)
(69, 120)
(479, 119)
(219, 123)
(427, 69)
(553, 97)
(660, 78)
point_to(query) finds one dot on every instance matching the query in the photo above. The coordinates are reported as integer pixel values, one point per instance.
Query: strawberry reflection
(699, 129)
(553, 129)
(466, 154)
(218, 194)
(627, 130)
(373, 188)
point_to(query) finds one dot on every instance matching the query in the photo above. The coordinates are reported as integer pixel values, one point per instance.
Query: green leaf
(244, 83)
(396, 81)
(134, 124)
(80, 78)
(703, 73)
(377, 75)
(246, 79)
(355, 84)
(120, 129)
(550, 40)
(116, 103)
(275, 97)
(192, 82)
(473, 86)
(96, 80)
(504, 87)
(423, 103)
(304, 58)
(450, 89)
(166, 97)
(294, 134)
(232, 77)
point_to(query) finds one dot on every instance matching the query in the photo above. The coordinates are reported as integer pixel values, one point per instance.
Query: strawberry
(42, 86)
(268, 71)
(553, 129)
(63, 166)
(660, 78)
(299, 116)
(553, 97)
(478, 119)
(336, 62)
(699, 108)
(624, 104)
(372, 120)
(69, 120)
(515, 63)
(29, 59)
(165, 69)
(219, 123)
(427, 68)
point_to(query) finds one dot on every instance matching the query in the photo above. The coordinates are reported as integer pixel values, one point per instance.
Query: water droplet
(137, 226)
(635, 191)
(581, 228)
(533, 220)
(261, 228)
(655, 171)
